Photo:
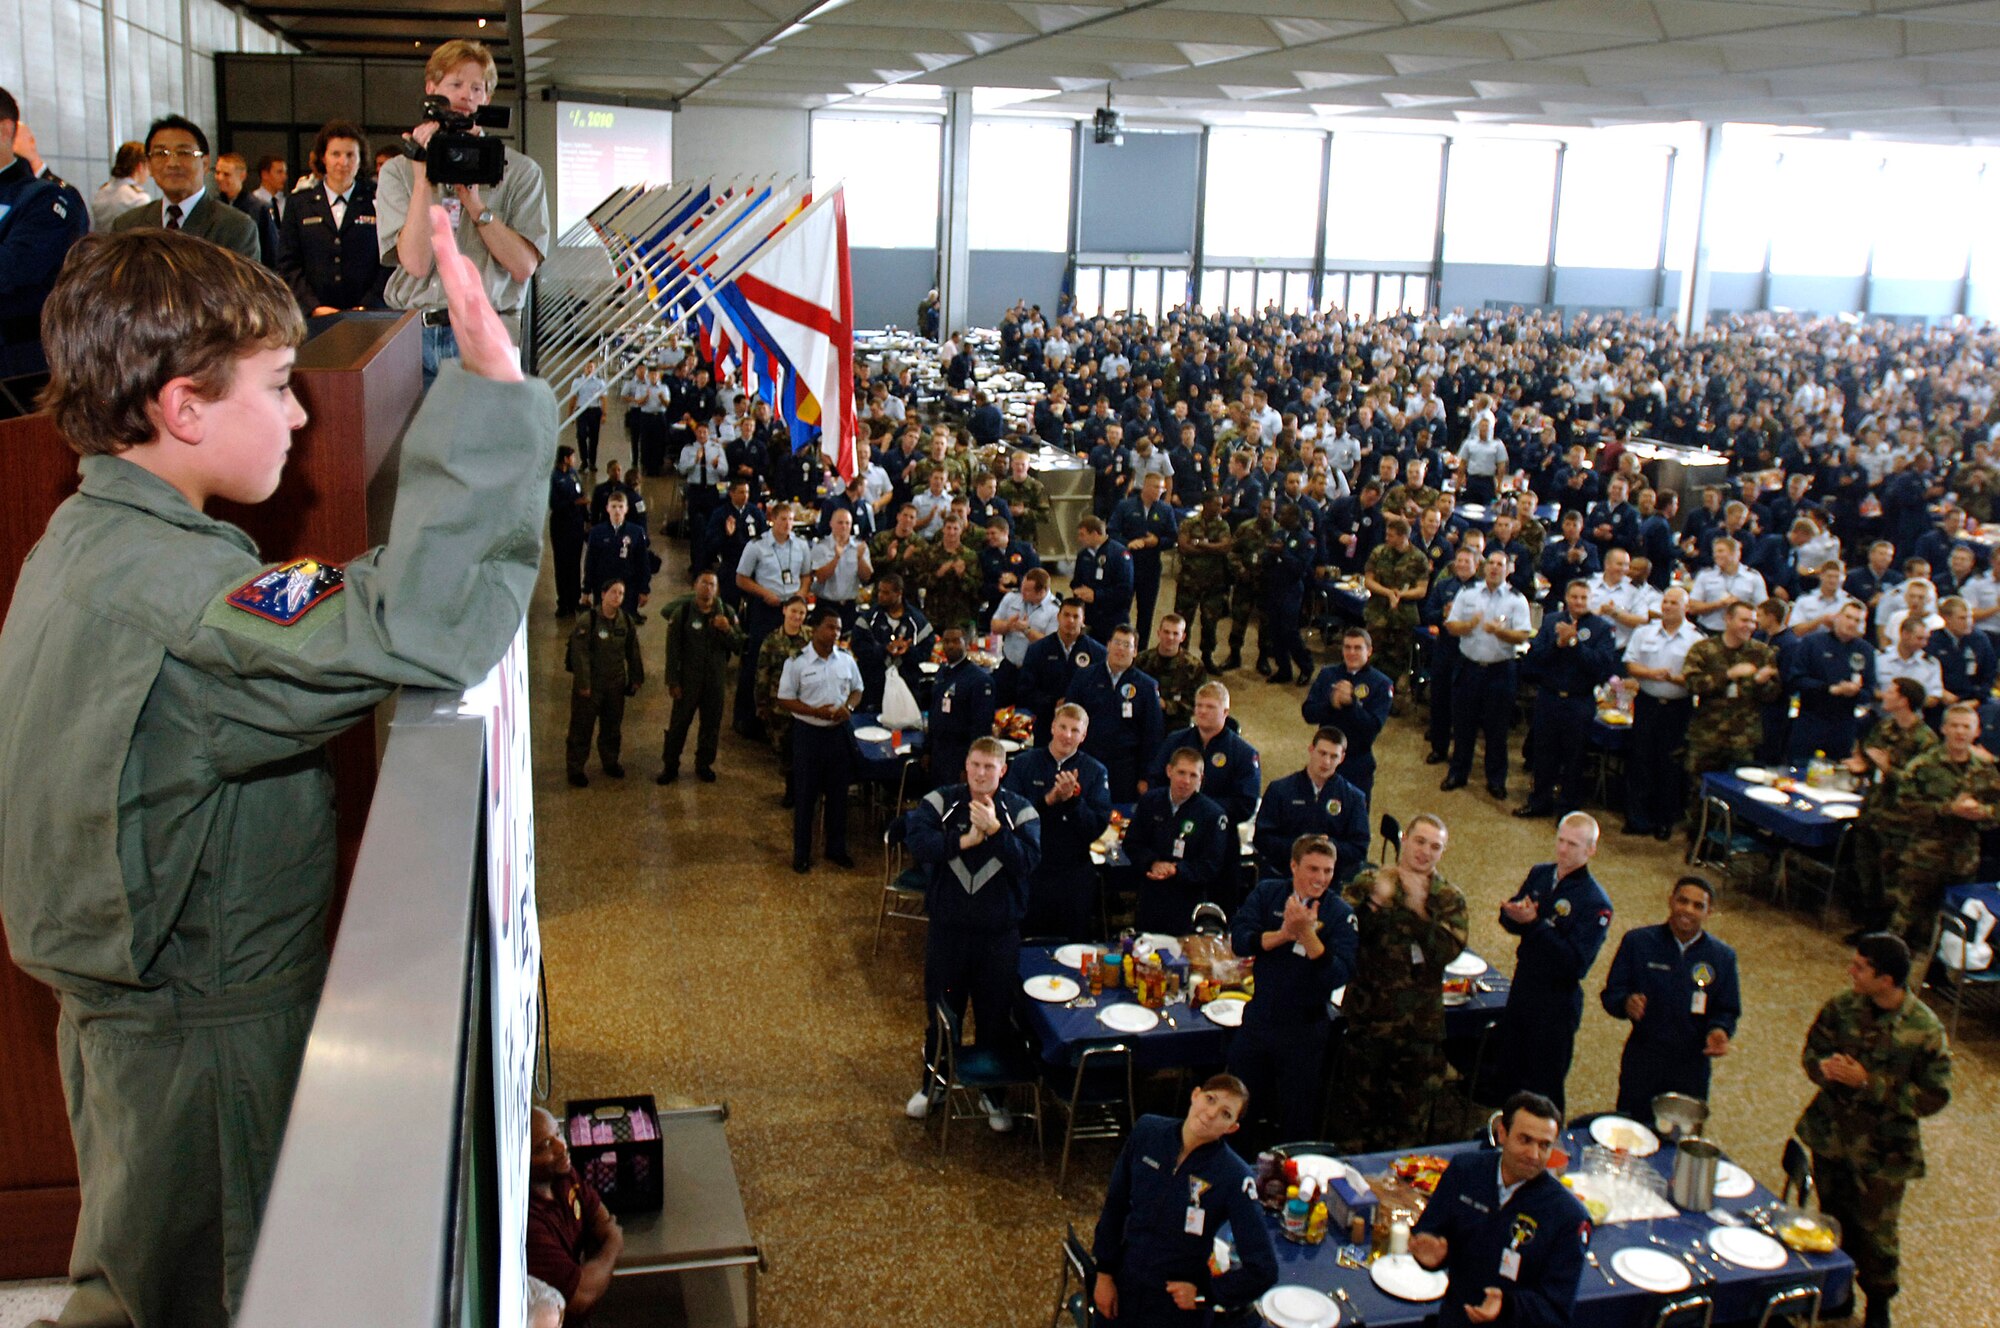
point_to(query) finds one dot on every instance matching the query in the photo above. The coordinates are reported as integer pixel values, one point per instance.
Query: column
(1699, 278)
(954, 216)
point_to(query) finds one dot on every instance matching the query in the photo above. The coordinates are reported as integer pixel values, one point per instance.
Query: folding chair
(1077, 1263)
(1716, 842)
(959, 1077)
(1392, 838)
(1940, 974)
(1796, 861)
(1687, 1312)
(902, 885)
(1790, 1302)
(1210, 920)
(1094, 1093)
(1797, 1164)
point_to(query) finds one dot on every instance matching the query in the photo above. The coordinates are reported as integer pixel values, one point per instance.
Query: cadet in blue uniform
(1965, 655)
(1305, 941)
(1181, 847)
(1175, 1187)
(961, 708)
(1102, 579)
(1126, 722)
(1833, 671)
(1234, 776)
(1068, 787)
(1352, 696)
(1507, 1233)
(888, 630)
(1574, 652)
(1562, 916)
(1314, 801)
(1444, 653)
(1053, 663)
(1677, 984)
(981, 844)
(37, 227)
(1002, 564)
(617, 552)
(1289, 557)
(731, 528)
(1145, 524)
(567, 510)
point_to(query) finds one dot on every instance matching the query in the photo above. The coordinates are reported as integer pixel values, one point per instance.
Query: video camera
(455, 154)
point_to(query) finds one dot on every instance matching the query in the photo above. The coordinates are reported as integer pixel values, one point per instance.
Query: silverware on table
(1590, 1257)
(1351, 1312)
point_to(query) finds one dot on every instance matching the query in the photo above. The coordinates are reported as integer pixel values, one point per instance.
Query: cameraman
(503, 228)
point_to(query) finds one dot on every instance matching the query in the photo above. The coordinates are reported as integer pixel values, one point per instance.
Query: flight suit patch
(288, 592)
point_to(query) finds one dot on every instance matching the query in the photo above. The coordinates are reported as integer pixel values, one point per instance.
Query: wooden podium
(360, 377)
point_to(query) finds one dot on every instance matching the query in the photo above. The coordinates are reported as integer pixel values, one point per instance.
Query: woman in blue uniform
(326, 241)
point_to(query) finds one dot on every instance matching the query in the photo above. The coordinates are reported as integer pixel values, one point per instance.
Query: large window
(1263, 194)
(1926, 212)
(890, 167)
(1823, 201)
(1740, 216)
(1498, 199)
(1020, 185)
(1381, 198)
(1611, 206)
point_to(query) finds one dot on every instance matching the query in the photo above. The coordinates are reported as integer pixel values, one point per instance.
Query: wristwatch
(484, 218)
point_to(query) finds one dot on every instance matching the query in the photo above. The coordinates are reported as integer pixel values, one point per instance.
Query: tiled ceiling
(1894, 67)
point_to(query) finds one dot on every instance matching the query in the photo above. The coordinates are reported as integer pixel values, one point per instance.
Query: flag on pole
(801, 293)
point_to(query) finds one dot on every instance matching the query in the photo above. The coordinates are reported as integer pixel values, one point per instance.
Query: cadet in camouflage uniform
(1398, 574)
(951, 577)
(1898, 738)
(1395, 1004)
(1732, 678)
(898, 549)
(701, 636)
(1246, 570)
(1411, 496)
(1929, 830)
(1027, 497)
(772, 656)
(1879, 1058)
(604, 657)
(1201, 588)
(1179, 674)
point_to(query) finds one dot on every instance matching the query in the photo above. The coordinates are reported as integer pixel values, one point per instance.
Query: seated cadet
(1677, 985)
(889, 630)
(1052, 664)
(1181, 848)
(1314, 801)
(1125, 721)
(1353, 697)
(617, 551)
(573, 1240)
(961, 707)
(1102, 579)
(1175, 1187)
(1508, 1234)
(1234, 775)
(1067, 786)
(1304, 940)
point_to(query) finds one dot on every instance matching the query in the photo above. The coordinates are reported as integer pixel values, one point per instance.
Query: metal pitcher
(1693, 1186)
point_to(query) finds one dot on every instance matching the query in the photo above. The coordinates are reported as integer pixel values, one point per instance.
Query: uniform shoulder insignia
(286, 593)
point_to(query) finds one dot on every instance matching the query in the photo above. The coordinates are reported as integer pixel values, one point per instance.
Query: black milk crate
(625, 1171)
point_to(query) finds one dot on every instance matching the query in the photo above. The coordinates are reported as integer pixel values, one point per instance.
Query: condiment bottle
(1296, 1215)
(1316, 1224)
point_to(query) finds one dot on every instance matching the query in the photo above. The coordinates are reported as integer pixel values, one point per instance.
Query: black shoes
(1663, 834)
(667, 776)
(1530, 812)
(615, 770)
(577, 779)
(1280, 678)
(801, 866)
(1498, 791)
(1438, 758)
(1634, 830)
(1209, 666)
(705, 774)
(841, 860)
(1234, 662)
(1452, 782)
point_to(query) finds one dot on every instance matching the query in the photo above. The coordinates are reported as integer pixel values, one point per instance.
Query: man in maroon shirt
(573, 1241)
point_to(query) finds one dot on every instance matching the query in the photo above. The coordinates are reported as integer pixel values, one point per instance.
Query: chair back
(1797, 1163)
(1210, 920)
(1686, 1312)
(1803, 1298)
(1392, 836)
(1079, 1258)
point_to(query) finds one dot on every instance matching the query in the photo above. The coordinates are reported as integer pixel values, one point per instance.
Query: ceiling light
(482, 22)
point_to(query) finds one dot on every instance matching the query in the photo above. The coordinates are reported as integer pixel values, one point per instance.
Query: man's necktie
(173, 216)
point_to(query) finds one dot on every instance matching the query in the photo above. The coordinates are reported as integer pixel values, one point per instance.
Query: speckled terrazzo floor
(685, 959)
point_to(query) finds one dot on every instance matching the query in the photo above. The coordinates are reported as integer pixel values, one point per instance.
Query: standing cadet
(1411, 922)
(568, 511)
(1068, 787)
(1352, 696)
(1004, 563)
(1878, 1056)
(1656, 658)
(1052, 663)
(1886, 752)
(1731, 676)
(773, 568)
(604, 659)
(1574, 652)
(1201, 587)
(950, 575)
(897, 550)
(1562, 916)
(1246, 571)
(889, 632)
(618, 551)
(1677, 985)
(1125, 721)
(1175, 1187)
(1490, 621)
(701, 635)
(1234, 775)
(981, 844)
(820, 688)
(840, 567)
(1833, 672)
(1397, 575)
(777, 651)
(1965, 655)
(1145, 525)
(704, 469)
(1181, 847)
(731, 527)
(1929, 833)
(1509, 1235)
(1102, 579)
(961, 707)
(588, 390)
(1289, 557)
(1444, 651)
(1314, 801)
(1178, 673)
(1305, 941)
(1027, 497)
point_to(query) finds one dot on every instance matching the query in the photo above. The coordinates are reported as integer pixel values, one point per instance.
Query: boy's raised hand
(484, 347)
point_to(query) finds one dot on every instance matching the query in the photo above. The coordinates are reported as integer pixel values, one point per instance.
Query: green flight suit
(697, 671)
(169, 875)
(606, 667)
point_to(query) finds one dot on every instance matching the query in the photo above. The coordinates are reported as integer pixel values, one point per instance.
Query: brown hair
(331, 130)
(135, 309)
(131, 156)
(455, 53)
(1307, 845)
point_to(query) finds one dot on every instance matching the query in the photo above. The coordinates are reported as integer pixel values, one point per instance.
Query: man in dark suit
(327, 251)
(176, 148)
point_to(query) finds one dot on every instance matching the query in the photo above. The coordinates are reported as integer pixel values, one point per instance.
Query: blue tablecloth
(1739, 1293)
(1610, 737)
(876, 759)
(1481, 516)
(1799, 822)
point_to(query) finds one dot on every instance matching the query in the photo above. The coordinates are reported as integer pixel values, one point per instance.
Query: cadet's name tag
(288, 592)
(1510, 1265)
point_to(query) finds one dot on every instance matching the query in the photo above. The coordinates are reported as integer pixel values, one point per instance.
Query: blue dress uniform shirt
(1126, 722)
(1360, 721)
(1195, 835)
(1133, 519)
(1656, 542)
(1665, 1050)
(1557, 949)
(1107, 571)
(782, 569)
(1231, 773)
(1148, 1233)
(1293, 807)
(819, 681)
(1966, 662)
(1292, 989)
(618, 553)
(961, 710)
(1541, 1222)
(983, 887)
(874, 629)
(1573, 672)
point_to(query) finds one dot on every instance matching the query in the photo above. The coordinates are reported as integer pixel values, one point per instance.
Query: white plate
(1467, 965)
(1746, 1248)
(1454, 999)
(1128, 1018)
(1071, 956)
(1227, 1013)
(1297, 1307)
(1753, 774)
(873, 733)
(927, 666)
(1840, 812)
(1154, 942)
(1776, 797)
(1008, 745)
(1835, 796)
(1732, 1181)
(1052, 987)
(1403, 1277)
(1625, 1134)
(1652, 1270)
